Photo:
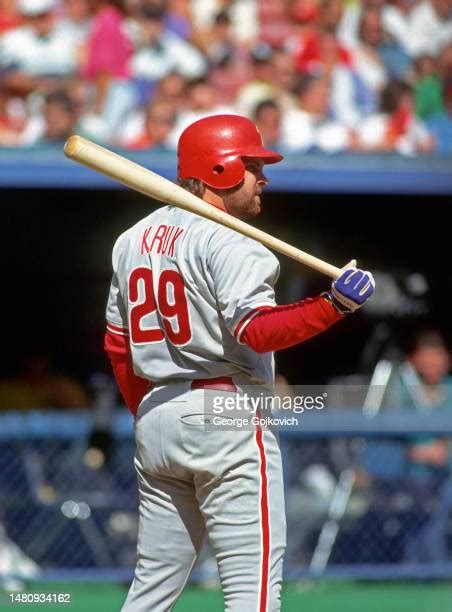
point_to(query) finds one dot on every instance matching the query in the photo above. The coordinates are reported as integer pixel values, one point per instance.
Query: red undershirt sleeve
(278, 327)
(133, 388)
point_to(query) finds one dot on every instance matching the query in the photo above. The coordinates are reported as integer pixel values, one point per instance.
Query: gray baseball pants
(227, 484)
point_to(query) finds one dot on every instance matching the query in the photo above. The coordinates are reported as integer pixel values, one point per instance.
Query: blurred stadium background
(358, 97)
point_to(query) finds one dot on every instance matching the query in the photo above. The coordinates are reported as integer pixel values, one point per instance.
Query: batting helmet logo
(212, 150)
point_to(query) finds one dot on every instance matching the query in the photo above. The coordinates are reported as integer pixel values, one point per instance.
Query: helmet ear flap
(227, 173)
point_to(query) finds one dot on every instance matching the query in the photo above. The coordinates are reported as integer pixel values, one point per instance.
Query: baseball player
(191, 318)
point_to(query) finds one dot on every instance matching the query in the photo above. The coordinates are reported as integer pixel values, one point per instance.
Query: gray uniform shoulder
(227, 242)
(225, 234)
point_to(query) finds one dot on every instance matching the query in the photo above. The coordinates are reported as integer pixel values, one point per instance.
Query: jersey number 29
(170, 303)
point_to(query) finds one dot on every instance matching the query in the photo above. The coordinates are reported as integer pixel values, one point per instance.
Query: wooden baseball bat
(153, 185)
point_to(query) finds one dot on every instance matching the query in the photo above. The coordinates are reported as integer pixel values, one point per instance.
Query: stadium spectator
(158, 122)
(228, 60)
(178, 19)
(428, 92)
(308, 125)
(444, 66)
(75, 20)
(172, 89)
(267, 117)
(60, 117)
(276, 22)
(396, 21)
(114, 59)
(431, 27)
(13, 118)
(160, 52)
(285, 77)
(260, 85)
(243, 13)
(304, 11)
(367, 63)
(319, 50)
(427, 388)
(216, 41)
(309, 50)
(348, 27)
(445, 61)
(9, 16)
(176, 16)
(366, 59)
(201, 100)
(346, 95)
(440, 124)
(37, 54)
(440, 127)
(56, 123)
(106, 64)
(395, 127)
(375, 58)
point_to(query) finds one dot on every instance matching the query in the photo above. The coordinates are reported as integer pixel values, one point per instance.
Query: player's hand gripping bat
(153, 185)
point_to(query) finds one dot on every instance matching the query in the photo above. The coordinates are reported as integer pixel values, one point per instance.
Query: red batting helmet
(212, 149)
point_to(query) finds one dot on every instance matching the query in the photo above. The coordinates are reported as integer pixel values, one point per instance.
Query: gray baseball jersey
(184, 289)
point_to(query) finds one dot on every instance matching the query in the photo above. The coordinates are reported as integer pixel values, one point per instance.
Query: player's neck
(214, 199)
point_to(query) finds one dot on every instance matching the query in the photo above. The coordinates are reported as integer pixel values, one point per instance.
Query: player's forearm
(280, 327)
(132, 387)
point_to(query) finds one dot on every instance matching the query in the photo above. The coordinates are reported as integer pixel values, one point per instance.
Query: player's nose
(262, 179)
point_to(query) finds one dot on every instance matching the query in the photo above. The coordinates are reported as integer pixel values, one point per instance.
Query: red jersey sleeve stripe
(115, 329)
(240, 328)
(265, 523)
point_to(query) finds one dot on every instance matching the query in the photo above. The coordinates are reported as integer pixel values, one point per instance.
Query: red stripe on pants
(265, 525)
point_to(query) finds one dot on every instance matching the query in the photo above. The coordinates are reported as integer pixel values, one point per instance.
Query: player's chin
(251, 210)
(256, 206)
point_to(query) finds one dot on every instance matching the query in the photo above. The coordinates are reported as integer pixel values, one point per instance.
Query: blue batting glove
(351, 289)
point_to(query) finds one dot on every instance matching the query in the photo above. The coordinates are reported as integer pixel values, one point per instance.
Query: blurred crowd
(400, 505)
(331, 75)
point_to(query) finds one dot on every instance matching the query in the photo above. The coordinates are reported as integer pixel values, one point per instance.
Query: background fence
(354, 507)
